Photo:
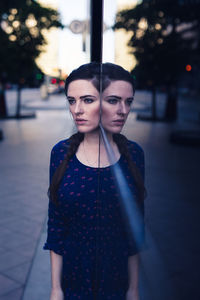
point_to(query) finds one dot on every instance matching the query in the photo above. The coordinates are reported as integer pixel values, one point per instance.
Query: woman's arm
(133, 271)
(56, 272)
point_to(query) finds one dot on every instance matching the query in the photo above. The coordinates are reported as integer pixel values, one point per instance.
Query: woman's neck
(94, 138)
(92, 151)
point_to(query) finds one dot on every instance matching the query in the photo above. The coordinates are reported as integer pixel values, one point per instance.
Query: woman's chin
(113, 130)
(82, 129)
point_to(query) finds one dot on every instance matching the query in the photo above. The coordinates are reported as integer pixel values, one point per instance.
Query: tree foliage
(165, 38)
(21, 35)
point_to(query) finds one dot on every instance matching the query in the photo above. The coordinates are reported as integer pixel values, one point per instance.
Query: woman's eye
(88, 100)
(71, 101)
(112, 101)
(129, 102)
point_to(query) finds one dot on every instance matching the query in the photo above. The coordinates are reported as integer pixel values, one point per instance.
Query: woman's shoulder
(137, 155)
(61, 146)
(134, 147)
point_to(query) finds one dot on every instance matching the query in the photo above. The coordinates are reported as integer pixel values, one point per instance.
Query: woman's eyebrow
(85, 96)
(113, 96)
(81, 97)
(118, 97)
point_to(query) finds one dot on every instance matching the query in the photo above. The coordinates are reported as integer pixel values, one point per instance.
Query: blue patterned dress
(87, 227)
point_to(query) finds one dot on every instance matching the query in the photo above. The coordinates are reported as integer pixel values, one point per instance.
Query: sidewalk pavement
(171, 264)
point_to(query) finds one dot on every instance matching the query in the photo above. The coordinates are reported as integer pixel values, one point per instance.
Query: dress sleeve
(138, 244)
(55, 224)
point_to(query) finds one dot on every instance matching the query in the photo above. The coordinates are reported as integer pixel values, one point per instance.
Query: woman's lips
(119, 122)
(80, 121)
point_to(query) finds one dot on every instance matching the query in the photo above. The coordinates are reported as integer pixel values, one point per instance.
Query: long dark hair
(95, 73)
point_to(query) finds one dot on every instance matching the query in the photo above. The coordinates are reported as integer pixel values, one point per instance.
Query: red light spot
(53, 80)
(62, 83)
(188, 68)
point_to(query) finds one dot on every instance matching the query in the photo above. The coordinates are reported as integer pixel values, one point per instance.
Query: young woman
(92, 256)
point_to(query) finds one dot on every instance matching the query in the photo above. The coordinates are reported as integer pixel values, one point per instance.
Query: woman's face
(116, 104)
(84, 104)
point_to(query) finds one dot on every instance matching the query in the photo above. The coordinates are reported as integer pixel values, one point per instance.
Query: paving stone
(27, 250)
(13, 295)
(11, 259)
(7, 284)
(19, 273)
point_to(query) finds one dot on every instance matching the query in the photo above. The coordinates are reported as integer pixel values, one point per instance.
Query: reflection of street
(172, 180)
(188, 106)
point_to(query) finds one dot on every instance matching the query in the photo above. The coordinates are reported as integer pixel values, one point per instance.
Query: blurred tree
(22, 26)
(165, 38)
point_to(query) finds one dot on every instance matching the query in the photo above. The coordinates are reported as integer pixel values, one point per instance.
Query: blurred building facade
(68, 48)
(48, 59)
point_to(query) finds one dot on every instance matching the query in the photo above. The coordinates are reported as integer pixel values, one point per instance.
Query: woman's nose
(122, 110)
(78, 108)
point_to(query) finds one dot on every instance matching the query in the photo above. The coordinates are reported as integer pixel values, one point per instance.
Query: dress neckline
(102, 168)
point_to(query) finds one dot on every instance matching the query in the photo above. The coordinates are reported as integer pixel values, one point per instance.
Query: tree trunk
(3, 108)
(18, 108)
(153, 104)
(171, 105)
